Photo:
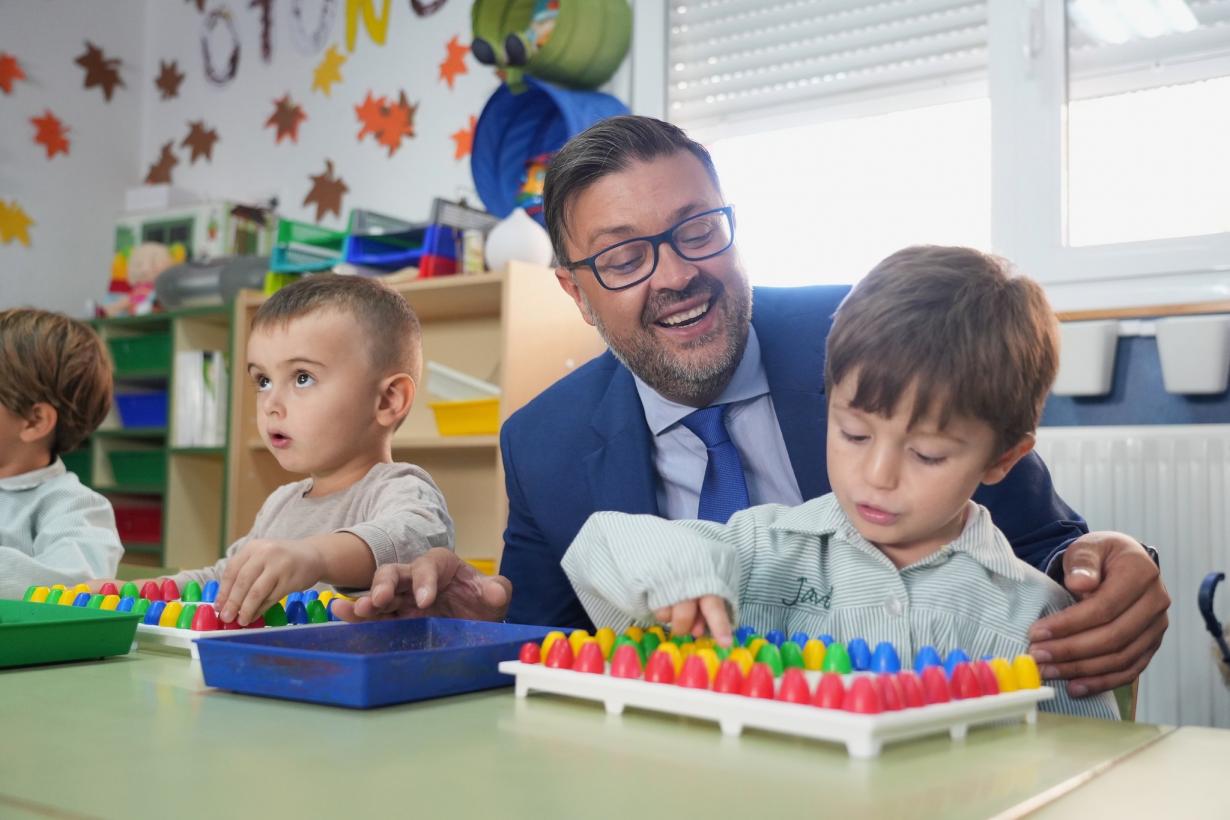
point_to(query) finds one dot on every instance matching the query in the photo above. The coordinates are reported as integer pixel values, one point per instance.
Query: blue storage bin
(400, 250)
(369, 664)
(142, 409)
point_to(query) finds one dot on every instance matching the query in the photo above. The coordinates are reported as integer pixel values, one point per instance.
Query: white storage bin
(1195, 353)
(1086, 358)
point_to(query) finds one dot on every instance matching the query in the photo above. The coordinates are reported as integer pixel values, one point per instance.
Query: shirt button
(894, 607)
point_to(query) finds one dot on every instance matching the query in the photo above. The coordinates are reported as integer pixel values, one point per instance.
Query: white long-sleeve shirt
(54, 530)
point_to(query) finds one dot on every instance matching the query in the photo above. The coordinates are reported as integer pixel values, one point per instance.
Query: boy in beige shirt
(335, 361)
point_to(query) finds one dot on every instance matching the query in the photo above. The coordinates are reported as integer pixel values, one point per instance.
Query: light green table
(141, 736)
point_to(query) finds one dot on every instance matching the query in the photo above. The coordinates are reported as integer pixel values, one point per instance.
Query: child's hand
(698, 616)
(262, 572)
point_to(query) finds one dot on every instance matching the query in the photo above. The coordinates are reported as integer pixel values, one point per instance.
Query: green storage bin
(79, 462)
(47, 633)
(144, 468)
(141, 354)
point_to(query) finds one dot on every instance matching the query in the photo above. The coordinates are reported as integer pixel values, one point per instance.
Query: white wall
(76, 199)
(73, 199)
(247, 162)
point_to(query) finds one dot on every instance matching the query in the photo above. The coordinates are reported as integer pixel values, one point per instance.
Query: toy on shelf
(173, 621)
(808, 686)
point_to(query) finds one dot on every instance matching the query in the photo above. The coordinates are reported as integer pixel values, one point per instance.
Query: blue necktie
(725, 489)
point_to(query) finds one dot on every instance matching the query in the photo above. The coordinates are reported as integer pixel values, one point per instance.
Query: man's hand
(698, 616)
(438, 584)
(1107, 638)
(262, 572)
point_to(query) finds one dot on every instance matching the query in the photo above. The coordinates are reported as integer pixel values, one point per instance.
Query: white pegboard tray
(183, 641)
(863, 735)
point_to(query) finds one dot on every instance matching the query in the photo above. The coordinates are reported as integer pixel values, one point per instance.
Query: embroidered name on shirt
(807, 594)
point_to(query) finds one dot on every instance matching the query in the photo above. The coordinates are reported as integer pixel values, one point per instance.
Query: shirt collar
(32, 479)
(748, 382)
(979, 540)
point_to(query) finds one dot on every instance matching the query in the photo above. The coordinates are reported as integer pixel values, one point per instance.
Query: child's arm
(626, 568)
(74, 540)
(405, 517)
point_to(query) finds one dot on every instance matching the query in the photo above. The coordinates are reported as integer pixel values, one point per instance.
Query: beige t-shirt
(396, 509)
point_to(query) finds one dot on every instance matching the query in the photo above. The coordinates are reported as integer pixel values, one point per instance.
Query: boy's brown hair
(975, 337)
(49, 358)
(388, 322)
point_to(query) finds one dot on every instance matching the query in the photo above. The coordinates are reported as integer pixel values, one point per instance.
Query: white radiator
(1168, 486)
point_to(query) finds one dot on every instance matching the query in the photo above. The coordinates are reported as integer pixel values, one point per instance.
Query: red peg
(626, 662)
(231, 624)
(590, 659)
(170, 590)
(911, 690)
(205, 619)
(660, 669)
(151, 592)
(864, 698)
(890, 693)
(108, 589)
(831, 693)
(259, 623)
(935, 685)
(986, 678)
(729, 678)
(964, 683)
(759, 683)
(560, 656)
(530, 653)
(695, 674)
(794, 688)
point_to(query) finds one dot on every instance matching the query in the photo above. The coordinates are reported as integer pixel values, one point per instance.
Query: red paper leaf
(51, 134)
(10, 72)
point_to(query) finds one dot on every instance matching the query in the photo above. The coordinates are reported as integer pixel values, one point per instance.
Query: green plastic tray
(137, 354)
(48, 633)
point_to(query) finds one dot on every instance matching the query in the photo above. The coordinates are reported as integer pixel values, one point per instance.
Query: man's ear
(396, 399)
(1003, 465)
(568, 281)
(39, 423)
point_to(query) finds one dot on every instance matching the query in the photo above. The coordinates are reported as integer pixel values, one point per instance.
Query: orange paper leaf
(455, 62)
(464, 139)
(51, 134)
(10, 72)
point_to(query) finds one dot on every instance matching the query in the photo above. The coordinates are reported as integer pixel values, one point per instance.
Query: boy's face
(906, 489)
(317, 392)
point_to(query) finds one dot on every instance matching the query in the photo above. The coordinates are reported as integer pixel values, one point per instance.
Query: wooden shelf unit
(517, 329)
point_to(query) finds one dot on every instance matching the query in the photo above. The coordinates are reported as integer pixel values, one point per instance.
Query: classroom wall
(72, 198)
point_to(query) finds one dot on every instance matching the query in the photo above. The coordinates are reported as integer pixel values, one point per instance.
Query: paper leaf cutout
(51, 134)
(100, 70)
(464, 140)
(388, 122)
(14, 223)
(326, 193)
(201, 140)
(455, 62)
(329, 71)
(160, 171)
(169, 78)
(10, 72)
(286, 118)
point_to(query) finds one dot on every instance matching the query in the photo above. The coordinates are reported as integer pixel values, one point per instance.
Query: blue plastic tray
(366, 665)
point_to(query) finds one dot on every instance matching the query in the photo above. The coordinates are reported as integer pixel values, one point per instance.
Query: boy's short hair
(47, 357)
(977, 339)
(392, 329)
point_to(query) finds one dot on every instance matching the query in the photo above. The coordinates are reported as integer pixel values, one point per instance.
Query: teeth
(679, 318)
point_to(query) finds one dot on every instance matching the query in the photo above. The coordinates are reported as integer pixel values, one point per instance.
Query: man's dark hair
(605, 148)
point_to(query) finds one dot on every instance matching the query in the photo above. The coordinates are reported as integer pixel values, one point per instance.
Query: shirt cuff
(377, 540)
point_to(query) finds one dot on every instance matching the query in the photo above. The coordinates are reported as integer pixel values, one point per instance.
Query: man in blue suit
(645, 243)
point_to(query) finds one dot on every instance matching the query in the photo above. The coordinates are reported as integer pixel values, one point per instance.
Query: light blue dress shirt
(679, 456)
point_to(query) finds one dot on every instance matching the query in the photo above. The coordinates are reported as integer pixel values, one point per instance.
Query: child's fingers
(683, 616)
(233, 567)
(663, 615)
(241, 582)
(258, 597)
(714, 610)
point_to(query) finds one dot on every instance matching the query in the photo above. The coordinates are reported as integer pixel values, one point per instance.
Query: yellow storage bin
(484, 565)
(475, 417)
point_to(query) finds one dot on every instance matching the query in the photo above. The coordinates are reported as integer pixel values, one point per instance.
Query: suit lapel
(621, 472)
(793, 356)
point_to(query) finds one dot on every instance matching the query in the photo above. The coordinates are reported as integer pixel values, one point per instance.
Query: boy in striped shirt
(937, 367)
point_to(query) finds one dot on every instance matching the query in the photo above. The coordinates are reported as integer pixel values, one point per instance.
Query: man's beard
(680, 380)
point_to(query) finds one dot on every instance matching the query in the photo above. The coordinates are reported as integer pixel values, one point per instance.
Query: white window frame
(1028, 84)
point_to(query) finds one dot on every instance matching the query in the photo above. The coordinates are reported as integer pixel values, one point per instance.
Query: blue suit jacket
(583, 446)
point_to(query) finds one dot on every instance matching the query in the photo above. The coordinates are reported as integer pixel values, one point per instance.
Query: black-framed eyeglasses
(632, 261)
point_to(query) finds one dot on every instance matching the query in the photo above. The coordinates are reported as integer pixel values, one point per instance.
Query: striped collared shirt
(806, 568)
